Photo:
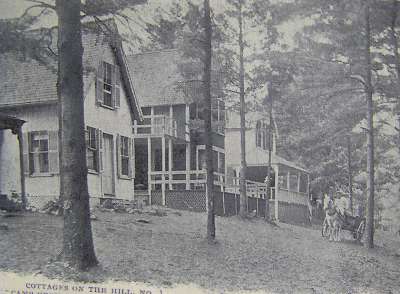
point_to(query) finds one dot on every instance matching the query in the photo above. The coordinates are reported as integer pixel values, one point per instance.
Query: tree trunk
(350, 171)
(270, 129)
(243, 164)
(370, 150)
(78, 249)
(395, 45)
(207, 122)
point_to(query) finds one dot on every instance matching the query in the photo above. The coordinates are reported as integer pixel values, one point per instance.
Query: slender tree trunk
(395, 45)
(370, 127)
(78, 250)
(207, 122)
(243, 164)
(350, 170)
(270, 129)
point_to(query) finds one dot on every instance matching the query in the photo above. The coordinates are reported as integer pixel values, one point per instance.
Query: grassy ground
(171, 250)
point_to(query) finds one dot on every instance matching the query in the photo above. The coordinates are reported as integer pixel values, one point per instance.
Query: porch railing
(156, 125)
(196, 180)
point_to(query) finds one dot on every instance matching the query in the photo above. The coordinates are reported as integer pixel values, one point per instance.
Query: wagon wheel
(325, 228)
(360, 230)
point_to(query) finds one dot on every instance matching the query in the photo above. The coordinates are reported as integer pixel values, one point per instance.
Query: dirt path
(249, 255)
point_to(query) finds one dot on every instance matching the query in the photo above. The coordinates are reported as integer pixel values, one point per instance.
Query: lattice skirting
(39, 201)
(227, 204)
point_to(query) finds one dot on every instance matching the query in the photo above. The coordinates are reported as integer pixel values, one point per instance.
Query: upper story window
(217, 114)
(262, 135)
(108, 85)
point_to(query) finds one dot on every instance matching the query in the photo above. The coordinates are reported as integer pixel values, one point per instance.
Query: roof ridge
(154, 52)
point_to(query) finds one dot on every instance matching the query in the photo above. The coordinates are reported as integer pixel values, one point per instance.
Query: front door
(108, 169)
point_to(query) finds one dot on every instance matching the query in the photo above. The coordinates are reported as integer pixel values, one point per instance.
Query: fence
(228, 204)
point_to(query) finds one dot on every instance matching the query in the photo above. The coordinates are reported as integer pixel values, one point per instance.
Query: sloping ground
(170, 250)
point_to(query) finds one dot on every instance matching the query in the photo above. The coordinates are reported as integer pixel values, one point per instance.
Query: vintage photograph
(199, 146)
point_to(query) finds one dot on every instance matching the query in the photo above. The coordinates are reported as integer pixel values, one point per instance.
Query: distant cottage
(169, 142)
(289, 181)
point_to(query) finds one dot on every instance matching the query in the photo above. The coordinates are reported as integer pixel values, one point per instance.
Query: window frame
(95, 149)
(33, 170)
(108, 82)
(127, 156)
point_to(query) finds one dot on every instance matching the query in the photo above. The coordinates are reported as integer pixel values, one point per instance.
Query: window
(125, 148)
(108, 88)
(125, 158)
(262, 135)
(92, 154)
(39, 152)
(258, 134)
(108, 85)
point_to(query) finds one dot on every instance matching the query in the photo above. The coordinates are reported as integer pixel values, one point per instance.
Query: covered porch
(14, 124)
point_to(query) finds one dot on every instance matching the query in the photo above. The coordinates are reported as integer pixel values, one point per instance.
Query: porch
(15, 126)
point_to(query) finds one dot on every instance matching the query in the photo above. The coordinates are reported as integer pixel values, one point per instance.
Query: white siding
(44, 117)
(113, 122)
(37, 118)
(254, 154)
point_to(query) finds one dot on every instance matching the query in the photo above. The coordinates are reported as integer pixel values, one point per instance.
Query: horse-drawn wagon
(354, 224)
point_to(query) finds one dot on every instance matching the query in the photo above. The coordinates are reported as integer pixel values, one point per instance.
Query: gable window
(40, 152)
(259, 134)
(108, 85)
(92, 149)
(262, 135)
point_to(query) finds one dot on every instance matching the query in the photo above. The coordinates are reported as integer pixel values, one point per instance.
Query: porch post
(308, 186)
(298, 181)
(170, 161)
(149, 167)
(187, 139)
(163, 169)
(135, 127)
(21, 167)
(171, 123)
(152, 125)
(276, 193)
(288, 181)
(187, 167)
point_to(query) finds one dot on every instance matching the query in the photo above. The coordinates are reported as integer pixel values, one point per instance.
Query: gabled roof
(156, 77)
(233, 119)
(27, 81)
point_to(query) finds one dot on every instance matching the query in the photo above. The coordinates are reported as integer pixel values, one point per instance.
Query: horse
(332, 221)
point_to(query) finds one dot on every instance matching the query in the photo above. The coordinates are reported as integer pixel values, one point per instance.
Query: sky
(15, 8)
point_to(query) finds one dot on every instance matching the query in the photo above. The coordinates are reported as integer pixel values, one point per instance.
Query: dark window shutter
(118, 154)
(132, 158)
(53, 152)
(100, 152)
(100, 84)
(25, 147)
(116, 86)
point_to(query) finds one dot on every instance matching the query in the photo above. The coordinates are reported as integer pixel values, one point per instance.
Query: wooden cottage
(28, 91)
(289, 182)
(169, 144)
